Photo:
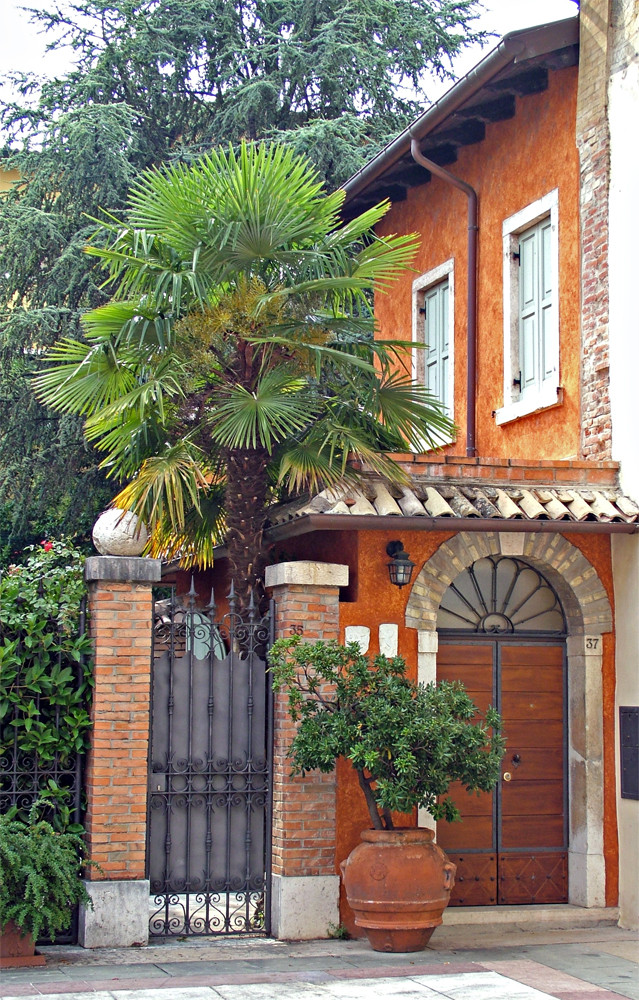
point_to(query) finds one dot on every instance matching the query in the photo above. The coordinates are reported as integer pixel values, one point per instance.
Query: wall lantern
(400, 568)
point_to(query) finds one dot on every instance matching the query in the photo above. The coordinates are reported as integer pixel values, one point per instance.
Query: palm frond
(148, 397)
(412, 413)
(280, 407)
(166, 486)
(85, 378)
(307, 465)
(194, 544)
(136, 323)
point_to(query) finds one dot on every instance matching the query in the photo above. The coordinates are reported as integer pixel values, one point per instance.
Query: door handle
(507, 776)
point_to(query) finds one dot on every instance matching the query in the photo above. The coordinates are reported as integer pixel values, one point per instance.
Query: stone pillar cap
(307, 572)
(123, 569)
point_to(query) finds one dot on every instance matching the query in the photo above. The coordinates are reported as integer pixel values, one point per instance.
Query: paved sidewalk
(506, 961)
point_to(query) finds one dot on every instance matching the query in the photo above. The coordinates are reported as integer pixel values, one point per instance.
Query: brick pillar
(116, 780)
(305, 888)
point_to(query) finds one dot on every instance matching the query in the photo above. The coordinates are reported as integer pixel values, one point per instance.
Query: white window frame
(550, 395)
(420, 286)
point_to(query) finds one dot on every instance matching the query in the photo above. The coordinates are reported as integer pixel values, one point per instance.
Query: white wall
(623, 259)
(623, 109)
(625, 567)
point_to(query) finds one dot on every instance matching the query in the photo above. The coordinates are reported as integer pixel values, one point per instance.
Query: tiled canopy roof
(448, 500)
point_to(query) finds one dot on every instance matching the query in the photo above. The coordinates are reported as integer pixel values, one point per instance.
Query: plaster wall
(519, 161)
(625, 561)
(624, 224)
(378, 603)
(623, 108)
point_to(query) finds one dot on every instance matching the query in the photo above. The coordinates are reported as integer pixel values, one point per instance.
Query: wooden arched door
(502, 633)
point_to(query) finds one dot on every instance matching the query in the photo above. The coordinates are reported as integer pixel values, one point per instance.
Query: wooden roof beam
(533, 81)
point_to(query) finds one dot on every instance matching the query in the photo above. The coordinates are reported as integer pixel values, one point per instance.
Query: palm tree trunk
(245, 502)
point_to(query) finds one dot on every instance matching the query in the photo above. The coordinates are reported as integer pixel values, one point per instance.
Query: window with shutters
(531, 314)
(433, 300)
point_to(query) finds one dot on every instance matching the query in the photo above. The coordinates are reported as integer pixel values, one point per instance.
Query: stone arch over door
(588, 616)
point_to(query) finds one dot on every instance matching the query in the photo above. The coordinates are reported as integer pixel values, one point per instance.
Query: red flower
(47, 546)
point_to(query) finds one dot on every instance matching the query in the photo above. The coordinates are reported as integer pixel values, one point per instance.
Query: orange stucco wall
(378, 602)
(519, 161)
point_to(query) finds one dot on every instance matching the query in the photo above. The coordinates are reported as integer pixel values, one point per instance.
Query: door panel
(533, 878)
(532, 801)
(510, 845)
(456, 836)
(536, 734)
(540, 798)
(530, 831)
(475, 879)
(518, 705)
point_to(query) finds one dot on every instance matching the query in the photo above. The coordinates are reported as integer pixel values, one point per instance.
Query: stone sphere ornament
(119, 533)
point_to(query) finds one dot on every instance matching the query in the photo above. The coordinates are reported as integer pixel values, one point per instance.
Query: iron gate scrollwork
(209, 776)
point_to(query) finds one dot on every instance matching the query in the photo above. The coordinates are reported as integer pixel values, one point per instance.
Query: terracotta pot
(17, 950)
(398, 884)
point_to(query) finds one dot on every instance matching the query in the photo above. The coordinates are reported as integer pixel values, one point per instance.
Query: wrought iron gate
(209, 793)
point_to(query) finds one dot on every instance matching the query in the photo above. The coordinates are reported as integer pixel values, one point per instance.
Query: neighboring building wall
(624, 226)
(624, 366)
(520, 161)
(594, 156)
(8, 178)
(625, 563)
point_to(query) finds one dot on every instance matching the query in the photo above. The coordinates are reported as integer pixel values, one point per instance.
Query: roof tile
(428, 496)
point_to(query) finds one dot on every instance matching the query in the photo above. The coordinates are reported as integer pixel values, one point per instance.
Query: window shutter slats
(436, 337)
(537, 347)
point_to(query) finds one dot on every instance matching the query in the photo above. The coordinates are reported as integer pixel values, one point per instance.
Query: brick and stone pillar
(305, 888)
(120, 606)
(593, 144)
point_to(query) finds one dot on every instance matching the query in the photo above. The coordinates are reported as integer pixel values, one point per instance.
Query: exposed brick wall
(512, 471)
(116, 776)
(593, 143)
(303, 807)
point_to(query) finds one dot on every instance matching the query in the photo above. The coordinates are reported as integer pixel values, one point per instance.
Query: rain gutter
(367, 522)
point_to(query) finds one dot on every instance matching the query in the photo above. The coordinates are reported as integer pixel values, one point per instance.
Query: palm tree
(235, 362)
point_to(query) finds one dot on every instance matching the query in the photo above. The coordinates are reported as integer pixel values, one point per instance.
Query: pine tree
(163, 81)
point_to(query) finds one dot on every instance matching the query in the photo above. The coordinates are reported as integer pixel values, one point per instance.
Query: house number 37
(592, 642)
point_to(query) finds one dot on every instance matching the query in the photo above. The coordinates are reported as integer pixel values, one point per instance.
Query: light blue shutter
(436, 338)
(537, 327)
(549, 340)
(528, 309)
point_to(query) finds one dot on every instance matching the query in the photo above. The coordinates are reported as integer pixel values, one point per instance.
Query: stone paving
(483, 962)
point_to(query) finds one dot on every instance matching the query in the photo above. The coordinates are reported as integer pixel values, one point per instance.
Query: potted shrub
(40, 883)
(408, 743)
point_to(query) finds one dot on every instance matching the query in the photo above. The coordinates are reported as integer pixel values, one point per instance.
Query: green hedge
(45, 665)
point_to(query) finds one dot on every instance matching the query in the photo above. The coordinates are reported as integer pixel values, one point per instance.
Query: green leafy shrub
(40, 875)
(407, 742)
(45, 667)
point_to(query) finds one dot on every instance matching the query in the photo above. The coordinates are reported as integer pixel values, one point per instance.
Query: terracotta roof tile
(448, 501)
